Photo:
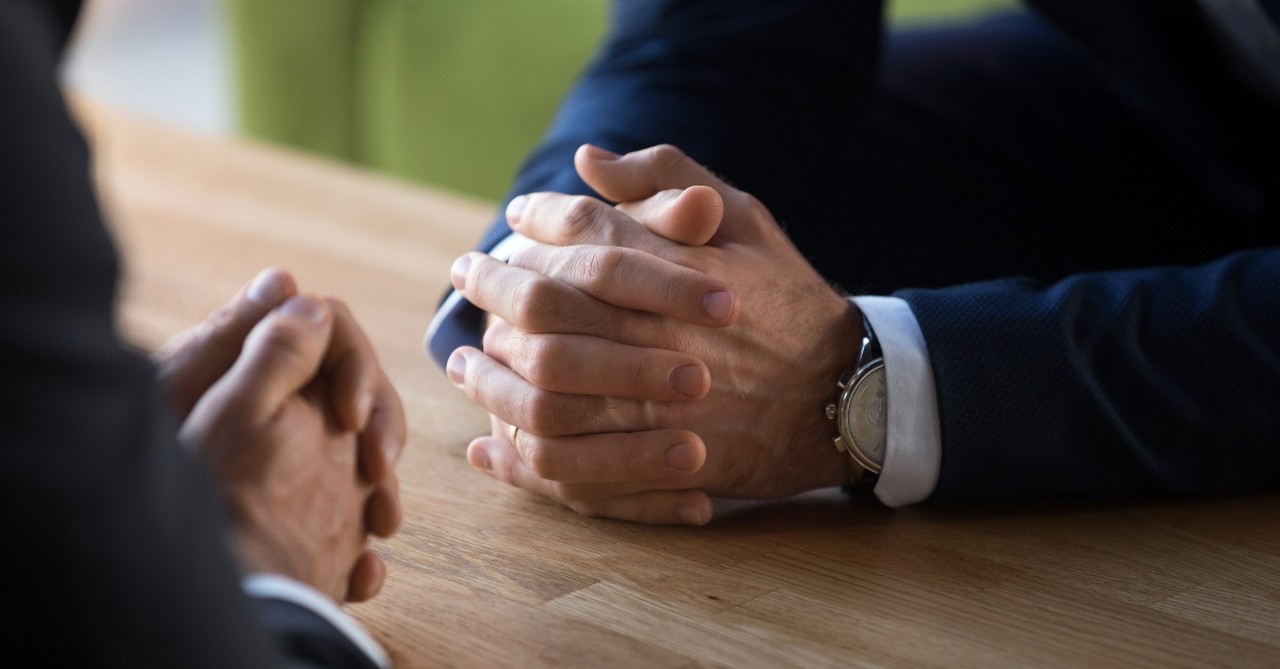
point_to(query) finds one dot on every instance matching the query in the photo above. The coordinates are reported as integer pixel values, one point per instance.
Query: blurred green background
(451, 93)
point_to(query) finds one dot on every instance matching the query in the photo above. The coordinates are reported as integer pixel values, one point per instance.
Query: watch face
(867, 416)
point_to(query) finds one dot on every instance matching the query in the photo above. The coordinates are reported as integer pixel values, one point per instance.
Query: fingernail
(458, 273)
(457, 368)
(514, 208)
(680, 458)
(268, 288)
(718, 304)
(480, 459)
(307, 308)
(688, 380)
(600, 153)
(689, 514)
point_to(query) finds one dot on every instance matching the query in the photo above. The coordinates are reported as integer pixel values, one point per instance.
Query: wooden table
(486, 576)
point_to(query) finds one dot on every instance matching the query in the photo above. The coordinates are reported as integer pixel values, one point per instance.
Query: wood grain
(486, 576)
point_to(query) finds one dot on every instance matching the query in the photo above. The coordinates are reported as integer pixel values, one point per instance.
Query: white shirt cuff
(913, 450)
(275, 586)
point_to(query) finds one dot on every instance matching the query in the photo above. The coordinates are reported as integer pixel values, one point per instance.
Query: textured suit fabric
(114, 551)
(1071, 146)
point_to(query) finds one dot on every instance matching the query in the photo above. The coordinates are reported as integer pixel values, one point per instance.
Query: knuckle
(541, 360)
(503, 342)
(519, 344)
(580, 214)
(479, 276)
(480, 385)
(755, 207)
(535, 303)
(600, 267)
(537, 456)
(283, 338)
(666, 156)
(538, 409)
(222, 318)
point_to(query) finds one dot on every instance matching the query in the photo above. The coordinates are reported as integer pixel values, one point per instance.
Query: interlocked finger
(352, 364)
(634, 279)
(633, 178)
(652, 507)
(634, 501)
(640, 174)
(584, 365)
(690, 216)
(197, 357)
(510, 397)
(565, 220)
(540, 304)
(664, 458)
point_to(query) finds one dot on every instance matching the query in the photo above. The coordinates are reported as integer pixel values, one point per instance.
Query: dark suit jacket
(1063, 146)
(114, 546)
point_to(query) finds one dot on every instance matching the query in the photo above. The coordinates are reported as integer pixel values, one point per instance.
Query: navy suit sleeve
(704, 75)
(757, 90)
(115, 551)
(1162, 380)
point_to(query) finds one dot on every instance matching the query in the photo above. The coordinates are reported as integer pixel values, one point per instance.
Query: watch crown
(831, 411)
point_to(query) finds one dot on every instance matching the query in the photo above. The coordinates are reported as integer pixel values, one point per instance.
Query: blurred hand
(362, 398)
(340, 405)
(196, 357)
(674, 347)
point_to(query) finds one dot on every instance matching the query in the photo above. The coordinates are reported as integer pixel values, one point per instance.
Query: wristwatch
(862, 413)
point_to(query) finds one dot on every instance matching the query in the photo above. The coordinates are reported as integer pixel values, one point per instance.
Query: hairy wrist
(834, 351)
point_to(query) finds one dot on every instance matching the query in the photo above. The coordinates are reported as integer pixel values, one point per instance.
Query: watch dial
(868, 416)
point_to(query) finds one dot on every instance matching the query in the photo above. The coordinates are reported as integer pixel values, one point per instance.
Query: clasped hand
(645, 357)
(282, 396)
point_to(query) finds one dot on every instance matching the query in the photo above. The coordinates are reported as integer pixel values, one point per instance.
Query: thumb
(281, 355)
(691, 216)
(193, 360)
(641, 174)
